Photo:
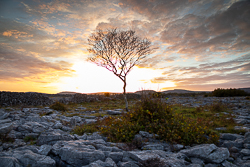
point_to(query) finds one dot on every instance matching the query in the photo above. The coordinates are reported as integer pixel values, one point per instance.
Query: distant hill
(145, 91)
(183, 91)
(189, 91)
(66, 93)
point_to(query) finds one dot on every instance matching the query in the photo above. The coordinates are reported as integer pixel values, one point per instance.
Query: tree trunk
(124, 94)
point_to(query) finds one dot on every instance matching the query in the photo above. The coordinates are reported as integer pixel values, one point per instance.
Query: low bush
(153, 116)
(217, 107)
(229, 92)
(58, 106)
(86, 128)
(157, 95)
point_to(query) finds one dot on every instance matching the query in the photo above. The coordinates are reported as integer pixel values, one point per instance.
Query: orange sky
(202, 44)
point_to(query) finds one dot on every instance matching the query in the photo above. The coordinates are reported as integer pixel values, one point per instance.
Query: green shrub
(153, 116)
(217, 107)
(58, 106)
(157, 95)
(187, 131)
(229, 92)
(85, 128)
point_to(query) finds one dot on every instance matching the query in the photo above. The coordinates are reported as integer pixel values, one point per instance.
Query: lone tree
(118, 51)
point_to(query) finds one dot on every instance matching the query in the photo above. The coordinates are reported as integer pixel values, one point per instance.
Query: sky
(202, 45)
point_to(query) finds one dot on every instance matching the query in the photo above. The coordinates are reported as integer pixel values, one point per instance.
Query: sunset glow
(102, 79)
(202, 45)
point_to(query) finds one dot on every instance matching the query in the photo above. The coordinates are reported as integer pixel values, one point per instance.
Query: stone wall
(130, 96)
(40, 99)
(75, 98)
(24, 99)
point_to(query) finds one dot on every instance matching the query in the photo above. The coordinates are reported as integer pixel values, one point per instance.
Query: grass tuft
(58, 106)
(155, 116)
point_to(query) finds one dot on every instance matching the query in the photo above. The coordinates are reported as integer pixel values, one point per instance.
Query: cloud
(155, 9)
(198, 29)
(17, 66)
(210, 74)
(199, 35)
(191, 28)
(16, 34)
(159, 80)
(197, 40)
(36, 38)
(16, 29)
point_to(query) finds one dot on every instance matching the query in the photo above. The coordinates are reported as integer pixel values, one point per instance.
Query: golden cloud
(16, 34)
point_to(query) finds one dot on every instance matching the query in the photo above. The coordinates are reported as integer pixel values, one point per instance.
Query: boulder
(195, 165)
(245, 152)
(207, 152)
(36, 127)
(228, 164)
(29, 158)
(177, 147)
(199, 151)
(110, 162)
(58, 125)
(127, 164)
(146, 134)
(6, 128)
(4, 115)
(229, 136)
(5, 121)
(239, 143)
(94, 136)
(34, 118)
(100, 163)
(52, 137)
(77, 119)
(9, 162)
(211, 165)
(197, 161)
(141, 155)
(77, 153)
(114, 112)
(44, 149)
(218, 156)
(116, 156)
(15, 135)
(153, 147)
(103, 147)
(90, 121)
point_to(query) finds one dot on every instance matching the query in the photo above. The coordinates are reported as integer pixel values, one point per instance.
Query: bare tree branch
(118, 51)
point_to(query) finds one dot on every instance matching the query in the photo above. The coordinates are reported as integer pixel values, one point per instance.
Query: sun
(90, 78)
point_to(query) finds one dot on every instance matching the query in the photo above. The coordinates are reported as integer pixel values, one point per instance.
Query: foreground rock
(41, 137)
(52, 137)
(208, 153)
(5, 128)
